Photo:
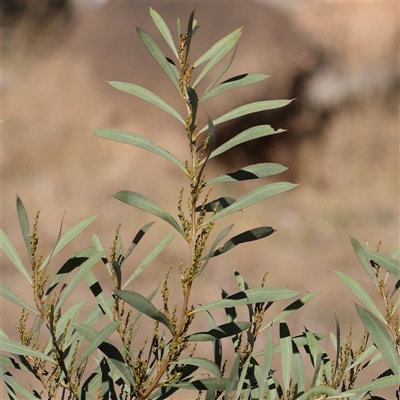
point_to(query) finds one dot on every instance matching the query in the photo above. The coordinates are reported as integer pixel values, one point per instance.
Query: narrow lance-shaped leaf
(249, 134)
(388, 263)
(361, 293)
(194, 101)
(143, 305)
(10, 295)
(255, 171)
(12, 254)
(266, 365)
(216, 48)
(286, 352)
(24, 224)
(247, 236)
(250, 109)
(190, 32)
(145, 204)
(148, 96)
(150, 257)
(142, 142)
(71, 234)
(224, 46)
(78, 276)
(10, 346)
(222, 331)
(250, 296)
(158, 55)
(253, 197)
(381, 338)
(364, 260)
(138, 237)
(213, 246)
(218, 76)
(218, 204)
(201, 363)
(235, 82)
(164, 30)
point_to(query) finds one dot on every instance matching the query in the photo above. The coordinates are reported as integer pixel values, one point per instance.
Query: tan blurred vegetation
(340, 60)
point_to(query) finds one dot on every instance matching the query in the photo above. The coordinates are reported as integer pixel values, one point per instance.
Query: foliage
(99, 356)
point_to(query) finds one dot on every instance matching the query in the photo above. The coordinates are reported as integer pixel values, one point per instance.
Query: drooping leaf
(252, 197)
(247, 236)
(222, 331)
(388, 263)
(249, 134)
(298, 370)
(217, 52)
(376, 384)
(257, 295)
(145, 204)
(216, 344)
(147, 95)
(250, 172)
(249, 109)
(140, 303)
(24, 224)
(381, 338)
(9, 249)
(164, 30)
(220, 204)
(150, 257)
(361, 293)
(133, 139)
(158, 55)
(235, 82)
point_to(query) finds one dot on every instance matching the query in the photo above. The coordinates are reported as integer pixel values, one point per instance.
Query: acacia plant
(99, 356)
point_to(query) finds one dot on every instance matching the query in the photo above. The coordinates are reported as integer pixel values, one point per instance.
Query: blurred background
(339, 60)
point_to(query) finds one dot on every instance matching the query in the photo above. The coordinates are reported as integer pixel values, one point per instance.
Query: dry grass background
(349, 169)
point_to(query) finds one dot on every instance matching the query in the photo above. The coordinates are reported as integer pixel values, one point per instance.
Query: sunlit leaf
(140, 303)
(13, 347)
(12, 254)
(249, 134)
(235, 82)
(226, 330)
(388, 263)
(144, 203)
(247, 236)
(250, 109)
(133, 139)
(150, 257)
(164, 30)
(158, 55)
(220, 46)
(251, 172)
(361, 293)
(217, 52)
(250, 296)
(147, 95)
(381, 338)
(24, 224)
(253, 197)
(218, 204)
(201, 363)
(10, 295)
